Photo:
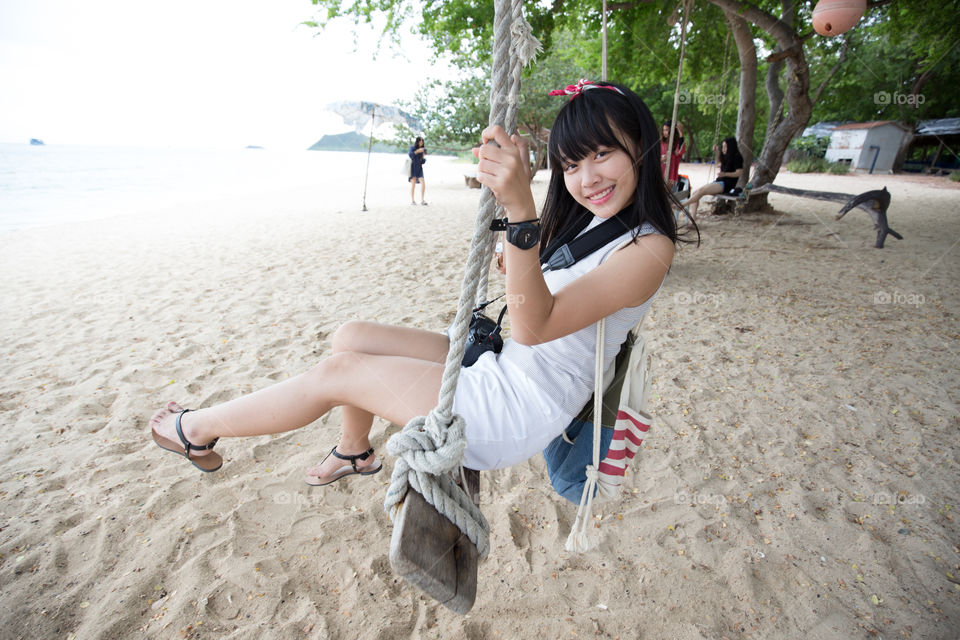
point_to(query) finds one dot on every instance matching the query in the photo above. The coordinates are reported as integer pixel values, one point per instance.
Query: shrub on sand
(807, 165)
(838, 167)
(817, 165)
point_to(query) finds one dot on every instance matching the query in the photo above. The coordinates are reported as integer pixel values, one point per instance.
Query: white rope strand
(579, 541)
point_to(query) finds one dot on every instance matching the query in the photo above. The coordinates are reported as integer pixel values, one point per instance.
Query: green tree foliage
(809, 147)
(463, 29)
(453, 113)
(898, 49)
(898, 68)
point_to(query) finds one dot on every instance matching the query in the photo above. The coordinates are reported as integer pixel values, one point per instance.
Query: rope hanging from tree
(430, 447)
(723, 99)
(603, 42)
(687, 7)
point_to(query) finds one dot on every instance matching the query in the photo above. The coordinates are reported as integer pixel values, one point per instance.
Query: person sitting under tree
(731, 168)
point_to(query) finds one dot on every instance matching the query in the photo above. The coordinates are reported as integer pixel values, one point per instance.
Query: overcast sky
(188, 73)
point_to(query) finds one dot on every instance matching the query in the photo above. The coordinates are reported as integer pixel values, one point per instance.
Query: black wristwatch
(524, 235)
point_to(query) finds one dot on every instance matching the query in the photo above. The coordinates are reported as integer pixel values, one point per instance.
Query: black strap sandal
(342, 472)
(206, 463)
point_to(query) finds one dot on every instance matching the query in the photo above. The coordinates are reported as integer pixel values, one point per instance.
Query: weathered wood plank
(429, 551)
(473, 484)
(830, 196)
(875, 203)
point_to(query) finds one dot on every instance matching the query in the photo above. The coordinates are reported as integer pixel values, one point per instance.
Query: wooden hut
(867, 146)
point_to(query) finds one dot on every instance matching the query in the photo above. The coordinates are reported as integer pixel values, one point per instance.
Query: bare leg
(376, 339)
(423, 188)
(398, 379)
(693, 202)
(413, 190)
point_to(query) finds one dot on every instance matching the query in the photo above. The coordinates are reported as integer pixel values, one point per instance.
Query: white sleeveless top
(563, 369)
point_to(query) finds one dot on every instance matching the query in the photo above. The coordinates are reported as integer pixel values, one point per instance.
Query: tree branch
(777, 56)
(785, 36)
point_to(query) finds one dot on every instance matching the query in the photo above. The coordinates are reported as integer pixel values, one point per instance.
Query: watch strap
(501, 224)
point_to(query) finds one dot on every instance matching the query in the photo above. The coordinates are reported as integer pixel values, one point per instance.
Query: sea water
(49, 185)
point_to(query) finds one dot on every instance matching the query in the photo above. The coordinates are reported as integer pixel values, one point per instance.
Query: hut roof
(939, 127)
(871, 125)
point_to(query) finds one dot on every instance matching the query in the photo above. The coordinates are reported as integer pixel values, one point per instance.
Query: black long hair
(587, 122)
(417, 143)
(677, 138)
(732, 158)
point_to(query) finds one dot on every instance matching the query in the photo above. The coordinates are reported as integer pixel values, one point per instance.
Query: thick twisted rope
(523, 48)
(430, 447)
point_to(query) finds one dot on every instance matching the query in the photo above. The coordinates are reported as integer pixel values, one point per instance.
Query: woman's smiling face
(604, 181)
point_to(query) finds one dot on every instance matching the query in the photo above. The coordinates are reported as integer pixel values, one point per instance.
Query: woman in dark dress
(418, 155)
(731, 168)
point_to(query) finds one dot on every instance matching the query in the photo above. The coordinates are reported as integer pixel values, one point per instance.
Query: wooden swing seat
(430, 551)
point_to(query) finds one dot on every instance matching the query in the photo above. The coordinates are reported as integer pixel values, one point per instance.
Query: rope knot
(426, 451)
(592, 474)
(523, 44)
(427, 445)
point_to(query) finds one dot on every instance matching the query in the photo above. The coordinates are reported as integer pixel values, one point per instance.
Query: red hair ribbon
(573, 90)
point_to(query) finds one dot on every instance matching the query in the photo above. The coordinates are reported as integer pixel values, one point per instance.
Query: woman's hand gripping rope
(505, 168)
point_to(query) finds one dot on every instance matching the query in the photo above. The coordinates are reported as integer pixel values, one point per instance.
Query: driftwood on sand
(873, 202)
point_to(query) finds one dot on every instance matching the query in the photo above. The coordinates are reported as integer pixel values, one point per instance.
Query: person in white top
(605, 152)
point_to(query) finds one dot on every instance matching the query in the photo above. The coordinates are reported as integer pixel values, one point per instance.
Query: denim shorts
(567, 463)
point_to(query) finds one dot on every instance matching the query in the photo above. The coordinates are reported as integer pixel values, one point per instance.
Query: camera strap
(479, 311)
(483, 306)
(569, 253)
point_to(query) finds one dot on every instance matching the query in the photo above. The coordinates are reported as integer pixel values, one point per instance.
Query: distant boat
(253, 146)
(37, 142)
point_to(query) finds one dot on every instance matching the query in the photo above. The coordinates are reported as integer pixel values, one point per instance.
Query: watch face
(526, 238)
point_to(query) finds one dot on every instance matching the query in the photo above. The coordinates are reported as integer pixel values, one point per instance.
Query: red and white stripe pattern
(628, 435)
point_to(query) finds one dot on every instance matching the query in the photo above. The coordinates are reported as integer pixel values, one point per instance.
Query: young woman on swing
(605, 153)
(731, 168)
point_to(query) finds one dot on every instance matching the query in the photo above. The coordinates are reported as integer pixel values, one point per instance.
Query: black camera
(482, 336)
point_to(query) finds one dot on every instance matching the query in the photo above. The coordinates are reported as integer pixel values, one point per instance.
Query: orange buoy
(833, 17)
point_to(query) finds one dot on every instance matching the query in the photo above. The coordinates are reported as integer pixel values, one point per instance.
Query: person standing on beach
(679, 148)
(605, 161)
(418, 155)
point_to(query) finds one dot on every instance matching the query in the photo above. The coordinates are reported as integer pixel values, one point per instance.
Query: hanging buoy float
(833, 17)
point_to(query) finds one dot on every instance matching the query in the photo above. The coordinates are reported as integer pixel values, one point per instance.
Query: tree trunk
(797, 94)
(921, 81)
(774, 71)
(538, 136)
(774, 96)
(902, 152)
(747, 109)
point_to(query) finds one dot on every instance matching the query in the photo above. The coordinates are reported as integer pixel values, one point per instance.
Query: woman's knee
(333, 369)
(349, 337)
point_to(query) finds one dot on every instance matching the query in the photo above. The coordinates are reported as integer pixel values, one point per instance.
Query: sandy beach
(800, 480)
